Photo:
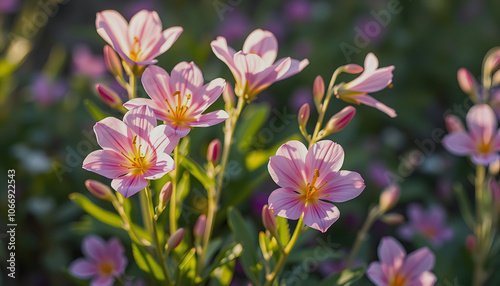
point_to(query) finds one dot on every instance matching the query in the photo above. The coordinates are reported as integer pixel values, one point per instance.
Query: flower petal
(168, 38)
(158, 109)
(113, 134)
(103, 281)
(141, 120)
(82, 269)
(186, 78)
(260, 80)
(286, 203)
(344, 186)
(225, 54)
(263, 44)
(248, 66)
(427, 279)
(164, 139)
(105, 163)
(129, 184)
(325, 156)
(370, 101)
(371, 62)
(418, 262)
(206, 96)
(112, 27)
(320, 215)
(156, 83)
(391, 253)
(94, 247)
(287, 166)
(145, 28)
(209, 119)
(458, 143)
(164, 164)
(482, 123)
(295, 67)
(376, 274)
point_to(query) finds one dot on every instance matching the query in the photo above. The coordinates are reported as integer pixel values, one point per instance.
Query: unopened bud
(467, 82)
(389, 197)
(454, 124)
(200, 227)
(99, 190)
(494, 167)
(269, 220)
(353, 68)
(228, 96)
(492, 61)
(496, 78)
(471, 243)
(303, 116)
(495, 191)
(175, 239)
(109, 96)
(340, 120)
(164, 196)
(393, 219)
(318, 90)
(112, 61)
(213, 151)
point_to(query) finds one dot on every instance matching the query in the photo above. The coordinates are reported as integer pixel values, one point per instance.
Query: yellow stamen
(136, 50)
(398, 281)
(178, 113)
(312, 191)
(484, 147)
(106, 268)
(137, 161)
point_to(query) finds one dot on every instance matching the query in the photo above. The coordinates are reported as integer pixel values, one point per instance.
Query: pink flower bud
(99, 190)
(393, 219)
(389, 197)
(200, 227)
(304, 113)
(466, 81)
(228, 96)
(340, 120)
(494, 168)
(353, 68)
(175, 239)
(269, 220)
(454, 124)
(109, 96)
(471, 243)
(492, 60)
(164, 196)
(213, 151)
(318, 90)
(113, 62)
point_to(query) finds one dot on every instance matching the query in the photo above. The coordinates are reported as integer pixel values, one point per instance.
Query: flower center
(178, 112)
(484, 147)
(136, 50)
(312, 191)
(138, 163)
(429, 232)
(398, 280)
(106, 268)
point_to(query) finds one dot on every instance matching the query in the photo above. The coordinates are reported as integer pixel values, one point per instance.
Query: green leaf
(104, 215)
(198, 172)
(252, 120)
(183, 188)
(463, 203)
(344, 278)
(95, 111)
(187, 269)
(147, 263)
(244, 236)
(223, 275)
(283, 230)
(256, 158)
(226, 255)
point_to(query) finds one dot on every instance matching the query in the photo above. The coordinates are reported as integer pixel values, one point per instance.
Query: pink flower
(371, 80)
(310, 182)
(181, 98)
(482, 142)
(103, 261)
(138, 42)
(429, 224)
(254, 68)
(86, 63)
(397, 269)
(134, 151)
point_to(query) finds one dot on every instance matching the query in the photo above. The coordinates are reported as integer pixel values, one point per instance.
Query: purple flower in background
(103, 261)
(86, 63)
(300, 96)
(431, 224)
(298, 10)
(8, 6)
(379, 174)
(234, 27)
(46, 90)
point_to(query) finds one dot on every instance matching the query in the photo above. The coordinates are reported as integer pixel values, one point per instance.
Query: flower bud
(389, 197)
(353, 68)
(200, 227)
(393, 219)
(496, 78)
(109, 96)
(471, 243)
(269, 220)
(99, 190)
(213, 151)
(494, 168)
(467, 82)
(454, 124)
(303, 116)
(318, 90)
(164, 196)
(112, 61)
(228, 96)
(340, 120)
(492, 61)
(175, 239)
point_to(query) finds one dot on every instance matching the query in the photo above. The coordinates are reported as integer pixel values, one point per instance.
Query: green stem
(481, 253)
(173, 198)
(132, 87)
(159, 250)
(281, 261)
(145, 214)
(118, 205)
(373, 214)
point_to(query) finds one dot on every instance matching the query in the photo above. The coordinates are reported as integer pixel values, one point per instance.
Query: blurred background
(51, 58)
